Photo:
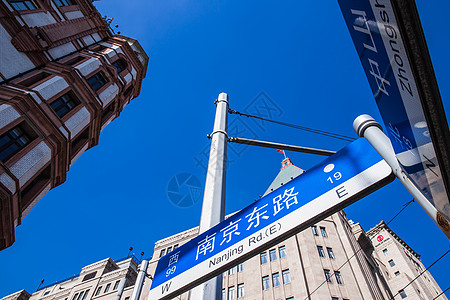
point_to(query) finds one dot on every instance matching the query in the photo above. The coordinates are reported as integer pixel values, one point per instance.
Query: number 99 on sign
(170, 271)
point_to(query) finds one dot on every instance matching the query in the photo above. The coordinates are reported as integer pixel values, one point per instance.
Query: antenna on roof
(42, 281)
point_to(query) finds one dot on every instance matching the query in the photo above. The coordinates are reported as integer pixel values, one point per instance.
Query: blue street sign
(379, 38)
(338, 181)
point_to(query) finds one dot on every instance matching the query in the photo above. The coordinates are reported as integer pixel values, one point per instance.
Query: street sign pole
(213, 209)
(366, 126)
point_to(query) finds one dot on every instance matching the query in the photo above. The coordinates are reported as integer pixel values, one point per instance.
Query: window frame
(265, 279)
(240, 267)
(314, 230)
(240, 290)
(282, 252)
(231, 271)
(26, 133)
(261, 256)
(273, 254)
(276, 279)
(391, 263)
(323, 232)
(116, 285)
(338, 276)
(321, 251)
(328, 276)
(120, 65)
(98, 291)
(330, 253)
(286, 274)
(24, 2)
(231, 291)
(67, 100)
(63, 4)
(97, 80)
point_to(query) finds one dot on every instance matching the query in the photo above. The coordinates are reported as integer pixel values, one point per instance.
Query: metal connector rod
(280, 146)
(366, 126)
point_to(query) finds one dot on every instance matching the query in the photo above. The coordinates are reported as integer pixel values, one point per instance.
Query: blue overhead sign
(380, 44)
(338, 181)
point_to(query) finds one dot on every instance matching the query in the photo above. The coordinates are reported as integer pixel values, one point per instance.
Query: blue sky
(299, 54)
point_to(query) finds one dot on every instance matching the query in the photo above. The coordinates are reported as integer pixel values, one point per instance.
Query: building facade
(64, 76)
(335, 259)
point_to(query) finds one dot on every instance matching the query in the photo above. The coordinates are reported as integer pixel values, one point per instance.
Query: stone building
(333, 260)
(64, 76)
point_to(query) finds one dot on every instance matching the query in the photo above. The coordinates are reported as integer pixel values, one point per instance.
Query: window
(74, 60)
(169, 249)
(240, 267)
(223, 294)
(323, 232)
(35, 186)
(64, 2)
(391, 263)
(64, 104)
(99, 289)
(290, 298)
(116, 285)
(85, 295)
(314, 230)
(162, 253)
(276, 279)
(330, 253)
(46, 293)
(80, 295)
(97, 80)
(385, 252)
(282, 251)
(120, 65)
(327, 275)
(231, 293)
(263, 257)
(231, 271)
(14, 140)
(79, 142)
(402, 294)
(265, 283)
(240, 291)
(286, 276)
(89, 276)
(338, 276)
(334, 298)
(397, 273)
(320, 250)
(32, 80)
(273, 255)
(22, 4)
(107, 287)
(175, 246)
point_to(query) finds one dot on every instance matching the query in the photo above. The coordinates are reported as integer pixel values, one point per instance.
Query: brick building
(64, 76)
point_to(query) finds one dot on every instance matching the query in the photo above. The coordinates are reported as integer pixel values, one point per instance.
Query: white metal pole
(366, 126)
(140, 280)
(213, 209)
